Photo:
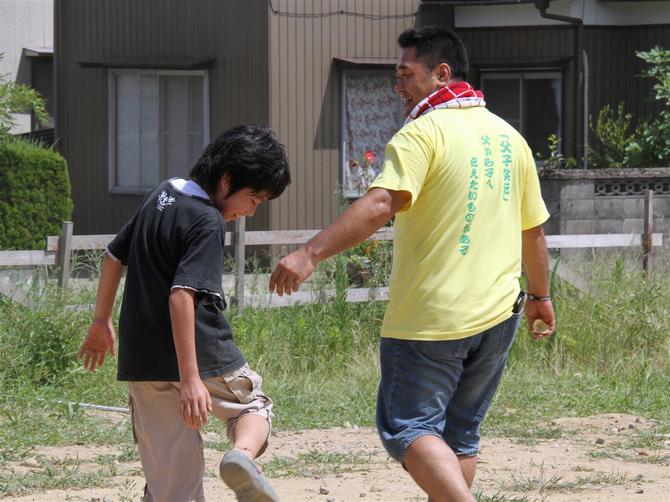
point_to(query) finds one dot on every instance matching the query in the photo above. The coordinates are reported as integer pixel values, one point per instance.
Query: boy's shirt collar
(189, 187)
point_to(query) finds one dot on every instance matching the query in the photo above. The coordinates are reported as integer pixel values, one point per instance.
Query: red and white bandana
(454, 95)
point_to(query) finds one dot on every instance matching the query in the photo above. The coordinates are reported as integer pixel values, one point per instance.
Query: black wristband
(534, 298)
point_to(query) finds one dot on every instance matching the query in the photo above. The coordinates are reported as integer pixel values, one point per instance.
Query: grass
(48, 474)
(314, 463)
(499, 498)
(611, 353)
(543, 484)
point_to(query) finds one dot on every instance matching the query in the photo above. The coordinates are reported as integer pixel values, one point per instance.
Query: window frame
(523, 74)
(112, 74)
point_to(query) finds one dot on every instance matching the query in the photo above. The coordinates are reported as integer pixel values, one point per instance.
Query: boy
(176, 349)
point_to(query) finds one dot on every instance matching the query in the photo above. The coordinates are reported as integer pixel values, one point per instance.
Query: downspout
(585, 107)
(542, 6)
(55, 70)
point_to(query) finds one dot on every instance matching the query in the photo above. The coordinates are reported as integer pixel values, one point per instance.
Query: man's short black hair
(435, 45)
(250, 155)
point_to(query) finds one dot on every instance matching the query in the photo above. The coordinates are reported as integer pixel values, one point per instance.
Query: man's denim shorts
(440, 388)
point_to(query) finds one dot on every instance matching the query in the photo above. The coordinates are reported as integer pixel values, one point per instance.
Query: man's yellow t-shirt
(457, 244)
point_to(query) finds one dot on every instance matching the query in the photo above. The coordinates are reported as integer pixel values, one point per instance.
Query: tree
(651, 143)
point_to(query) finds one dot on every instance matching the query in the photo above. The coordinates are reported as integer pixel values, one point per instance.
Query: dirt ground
(601, 458)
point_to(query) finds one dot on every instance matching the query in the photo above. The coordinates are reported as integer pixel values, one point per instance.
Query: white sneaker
(244, 477)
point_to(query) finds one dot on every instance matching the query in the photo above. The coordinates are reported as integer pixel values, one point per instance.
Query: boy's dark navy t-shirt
(175, 240)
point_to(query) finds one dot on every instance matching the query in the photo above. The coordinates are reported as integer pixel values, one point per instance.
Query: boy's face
(242, 203)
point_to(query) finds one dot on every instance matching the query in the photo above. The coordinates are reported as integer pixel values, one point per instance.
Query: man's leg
(479, 381)
(417, 383)
(437, 470)
(468, 468)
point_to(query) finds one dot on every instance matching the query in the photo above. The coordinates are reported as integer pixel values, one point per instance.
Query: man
(464, 189)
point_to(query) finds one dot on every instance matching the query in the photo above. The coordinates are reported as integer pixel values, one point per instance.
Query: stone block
(661, 205)
(633, 226)
(578, 209)
(609, 208)
(571, 227)
(633, 207)
(551, 189)
(583, 189)
(609, 226)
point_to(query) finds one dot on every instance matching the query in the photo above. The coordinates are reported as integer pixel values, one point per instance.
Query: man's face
(242, 203)
(414, 80)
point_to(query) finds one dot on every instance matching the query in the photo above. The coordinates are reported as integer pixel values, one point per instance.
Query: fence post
(64, 253)
(238, 243)
(647, 236)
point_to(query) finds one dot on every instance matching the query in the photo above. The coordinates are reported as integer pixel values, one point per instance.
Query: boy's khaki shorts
(171, 452)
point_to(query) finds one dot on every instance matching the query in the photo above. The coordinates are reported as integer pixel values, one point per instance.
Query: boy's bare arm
(194, 399)
(101, 337)
(536, 266)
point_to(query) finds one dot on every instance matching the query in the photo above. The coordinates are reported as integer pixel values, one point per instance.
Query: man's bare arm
(363, 218)
(536, 266)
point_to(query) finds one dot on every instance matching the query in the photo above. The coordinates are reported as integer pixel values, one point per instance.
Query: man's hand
(544, 311)
(291, 272)
(100, 340)
(194, 403)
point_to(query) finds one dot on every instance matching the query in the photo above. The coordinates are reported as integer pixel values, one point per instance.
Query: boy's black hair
(250, 155)
(435, 45)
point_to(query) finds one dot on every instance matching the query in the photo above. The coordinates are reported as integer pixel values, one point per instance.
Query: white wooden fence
(59, 250)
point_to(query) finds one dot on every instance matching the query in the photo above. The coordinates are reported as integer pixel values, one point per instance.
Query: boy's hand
(194, 403)
(100, 340)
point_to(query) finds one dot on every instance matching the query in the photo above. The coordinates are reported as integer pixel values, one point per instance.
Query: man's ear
(443, 72)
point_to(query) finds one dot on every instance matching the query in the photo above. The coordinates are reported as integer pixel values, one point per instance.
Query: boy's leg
(251, 434)
(171, 453)
(238, 399)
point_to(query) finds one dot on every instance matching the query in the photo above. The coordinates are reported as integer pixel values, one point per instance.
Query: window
(159, 125)
(371, 114)
(530, 101)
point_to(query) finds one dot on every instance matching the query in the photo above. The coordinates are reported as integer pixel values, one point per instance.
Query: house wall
(592, 12)
(613, 68)
(234, 32)
(23, 23)
(305, 103)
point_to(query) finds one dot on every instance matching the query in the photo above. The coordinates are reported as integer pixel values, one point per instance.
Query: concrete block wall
(575, 208)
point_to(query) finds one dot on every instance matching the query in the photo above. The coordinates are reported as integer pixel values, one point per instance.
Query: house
(26, 44)
(142, 85)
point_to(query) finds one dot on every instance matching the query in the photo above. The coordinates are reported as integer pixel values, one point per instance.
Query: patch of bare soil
(609, 458)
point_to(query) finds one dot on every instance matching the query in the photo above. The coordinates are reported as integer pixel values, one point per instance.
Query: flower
(361, 172)
(370, 157)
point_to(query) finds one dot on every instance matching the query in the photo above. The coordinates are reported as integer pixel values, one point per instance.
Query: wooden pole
(239, 245)
(64, 254)
(647, 244)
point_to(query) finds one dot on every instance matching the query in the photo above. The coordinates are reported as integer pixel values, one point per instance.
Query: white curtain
(159, 127)
(373, 113)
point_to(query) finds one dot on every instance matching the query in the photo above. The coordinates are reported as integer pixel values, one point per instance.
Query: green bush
(35, 196)
(39, 344)
(612, 131)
